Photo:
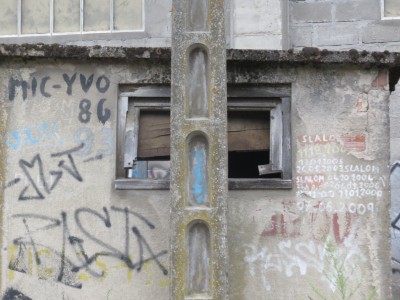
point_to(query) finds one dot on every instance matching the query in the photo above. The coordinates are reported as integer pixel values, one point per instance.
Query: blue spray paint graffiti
(199, 188)
(43, 135)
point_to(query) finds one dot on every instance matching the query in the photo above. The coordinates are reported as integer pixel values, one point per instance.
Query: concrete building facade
(86, 153)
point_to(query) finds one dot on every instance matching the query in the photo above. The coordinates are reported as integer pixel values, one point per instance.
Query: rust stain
(381, 81)
(355, 143)
(362, 103)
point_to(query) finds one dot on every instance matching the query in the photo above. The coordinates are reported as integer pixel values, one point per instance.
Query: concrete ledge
(308, 55)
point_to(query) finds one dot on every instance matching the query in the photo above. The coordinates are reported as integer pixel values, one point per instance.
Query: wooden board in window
(247, 131)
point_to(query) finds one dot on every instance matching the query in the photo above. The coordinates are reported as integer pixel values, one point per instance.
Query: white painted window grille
(390, 9)
(22, 18)
(254, 162)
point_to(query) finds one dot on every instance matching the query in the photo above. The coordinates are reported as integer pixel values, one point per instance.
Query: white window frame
(383, 17)
(81, 18)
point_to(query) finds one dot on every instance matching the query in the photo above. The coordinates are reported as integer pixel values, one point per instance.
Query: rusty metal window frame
(276, 99)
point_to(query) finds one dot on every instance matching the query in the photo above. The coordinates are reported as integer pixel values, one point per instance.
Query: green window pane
(96, 15)
(392, 8)
(66, 16)
(8, 17)
(128, 14)
(35, 16)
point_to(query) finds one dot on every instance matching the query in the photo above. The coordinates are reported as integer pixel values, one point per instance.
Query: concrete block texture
(354, 10)
(256, 16)
(314, 12)
(267, 41)
(159, 14)
(336, 34)
(301, 36)
(381, 32)
(257, 24)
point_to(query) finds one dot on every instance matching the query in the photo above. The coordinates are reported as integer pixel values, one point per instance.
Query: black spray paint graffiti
(12, 294)
(102, 85)
(89, 223)
(35, 169)
(103, 114)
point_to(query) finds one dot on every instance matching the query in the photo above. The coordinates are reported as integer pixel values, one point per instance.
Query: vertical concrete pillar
(198, 245)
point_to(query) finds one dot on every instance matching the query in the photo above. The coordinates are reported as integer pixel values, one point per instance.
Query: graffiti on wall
(13, 294)
(290, 258)
(38, 182)
(70, 256)
(318, 230)
(317, 224)
(43, 134)
(322, 173)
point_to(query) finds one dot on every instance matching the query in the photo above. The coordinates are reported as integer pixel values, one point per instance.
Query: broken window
(259, 151)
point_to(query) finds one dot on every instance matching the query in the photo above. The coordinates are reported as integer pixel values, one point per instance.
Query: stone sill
(233, 184)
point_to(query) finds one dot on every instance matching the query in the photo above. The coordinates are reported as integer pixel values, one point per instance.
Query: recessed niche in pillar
(198, 83)
(198, 177)
(198, 15)
(199, 259)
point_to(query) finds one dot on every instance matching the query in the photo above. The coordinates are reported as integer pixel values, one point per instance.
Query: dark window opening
(245, 164)
(249, 143)
(394, 75)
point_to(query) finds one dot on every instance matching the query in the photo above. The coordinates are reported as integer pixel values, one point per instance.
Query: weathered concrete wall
(66, 233)
(327, 236)
(395, 190)
(258, 24)
(342, 24)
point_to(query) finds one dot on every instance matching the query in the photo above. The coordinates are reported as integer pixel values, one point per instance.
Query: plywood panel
(248, 130)
(154, 134)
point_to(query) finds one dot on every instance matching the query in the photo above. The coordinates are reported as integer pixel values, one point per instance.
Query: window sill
(234, 184)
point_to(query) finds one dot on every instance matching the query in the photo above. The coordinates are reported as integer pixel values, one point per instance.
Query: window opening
(394, 75)
(153, 146)
(248, 143)
(258, 140)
